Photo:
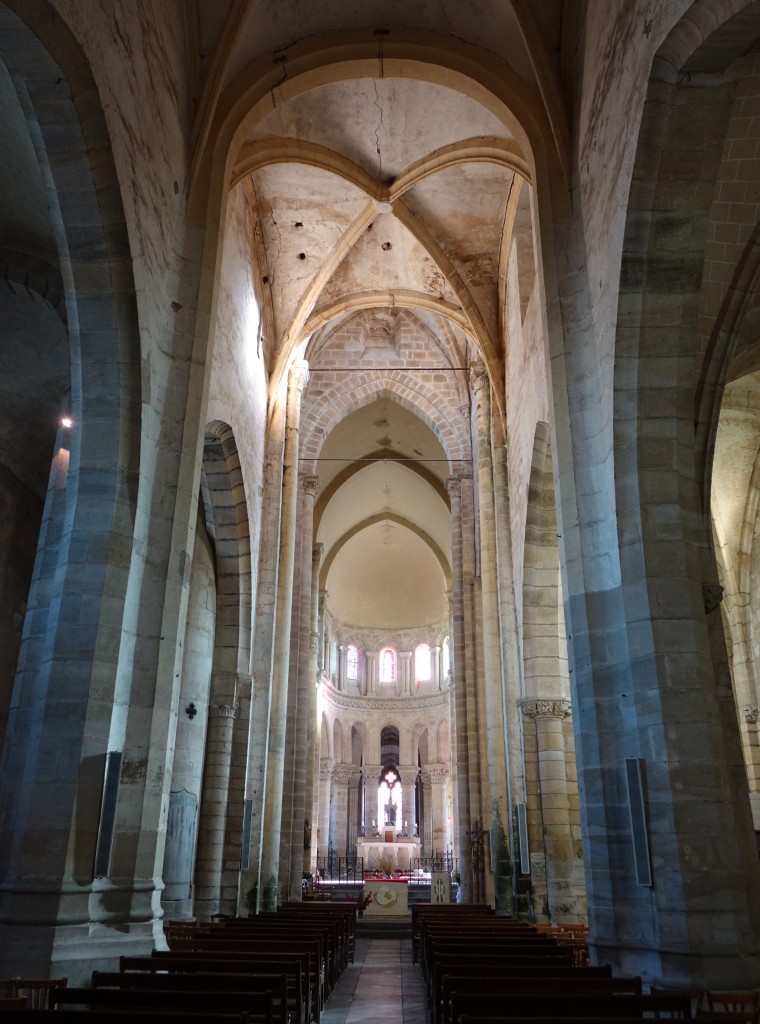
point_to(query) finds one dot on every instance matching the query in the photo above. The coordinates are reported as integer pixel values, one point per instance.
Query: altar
(403, 850)
(389, 898)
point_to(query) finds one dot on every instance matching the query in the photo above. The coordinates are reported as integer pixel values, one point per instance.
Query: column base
(674, 969)
(73, 951)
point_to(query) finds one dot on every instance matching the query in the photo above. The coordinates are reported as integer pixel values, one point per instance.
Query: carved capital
(310, 486)
(546, 708)
(408, 776)
(223, 710)
(438, 772)
(454, 487)
(316, 558)
(478, 378)
(750, 713)
(326, 766)
(712, 595)
(298, 376)
(342, 773)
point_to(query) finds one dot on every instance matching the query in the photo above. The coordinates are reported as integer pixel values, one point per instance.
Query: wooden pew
(231, 962)
(566, 1006)
(471, 953)
(246, 946)
(344, 913)
(90, 1016)
(223, 984)
(295, 972)
(257, 1006)
(495, 984)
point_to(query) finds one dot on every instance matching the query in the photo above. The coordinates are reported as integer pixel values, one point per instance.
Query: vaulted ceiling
(389, 196)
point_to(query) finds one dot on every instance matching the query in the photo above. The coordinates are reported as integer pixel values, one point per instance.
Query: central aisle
(382, 986)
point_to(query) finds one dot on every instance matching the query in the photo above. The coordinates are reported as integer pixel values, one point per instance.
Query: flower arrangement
(363, 901)
(387, 863)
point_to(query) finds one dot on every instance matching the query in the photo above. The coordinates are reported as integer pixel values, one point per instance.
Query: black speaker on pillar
(107, 814)
(245, 847)
(637, 812)
(522, 835)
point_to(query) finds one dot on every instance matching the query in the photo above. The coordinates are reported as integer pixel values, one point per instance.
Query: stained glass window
(352, 662)
(422, 666)
(388, 665)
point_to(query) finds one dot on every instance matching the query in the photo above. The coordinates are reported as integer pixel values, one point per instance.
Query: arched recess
(227, 528)
(680, 718)
(445, 419)
(85, 541)
(337, 741)
(371, 521)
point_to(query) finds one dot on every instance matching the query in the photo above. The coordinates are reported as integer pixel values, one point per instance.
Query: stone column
(426, 825)
(306, 703)
(498, 817)
(213, 811)
(405, 672)
(555, 805)
(341, 777)
(749, 715)
(325, 809)
(437, 667)
(371, 661)
(341, 682)
(324, 656)
(263, 649)
(371, 773)
(438, 774)
(459, 703)
(269, 885)
(408, 777)
(353, 811)
(313, 679)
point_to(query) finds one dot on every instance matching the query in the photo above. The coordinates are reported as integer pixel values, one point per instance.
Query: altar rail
(339, 869)
(351, 869)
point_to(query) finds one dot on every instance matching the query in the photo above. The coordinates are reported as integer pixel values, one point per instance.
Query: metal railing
(429, 865)
(339, 869)
(333, 868)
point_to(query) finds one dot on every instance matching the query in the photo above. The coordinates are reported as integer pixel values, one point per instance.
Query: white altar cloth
(402, 850)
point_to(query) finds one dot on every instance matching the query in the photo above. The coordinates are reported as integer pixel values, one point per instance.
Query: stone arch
(384, 517)
(232, 546)
(91, 505)
(326, 749)
(221, 813)
(358, 743)
(324, 409)
(670, 298)
(337, 741)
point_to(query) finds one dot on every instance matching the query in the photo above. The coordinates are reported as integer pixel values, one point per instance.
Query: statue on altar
(390, 813)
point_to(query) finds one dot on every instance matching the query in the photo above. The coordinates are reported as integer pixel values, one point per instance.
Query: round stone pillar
(459, 688)
(438, 774)
(548, 716)
(278, 718)
(497, 872)
(371, 773)
(325, 809)
(405, 672)
(408, 776)
(213, 816)
(341, 776)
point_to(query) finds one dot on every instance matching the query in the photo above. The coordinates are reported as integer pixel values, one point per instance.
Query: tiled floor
(382, 986)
